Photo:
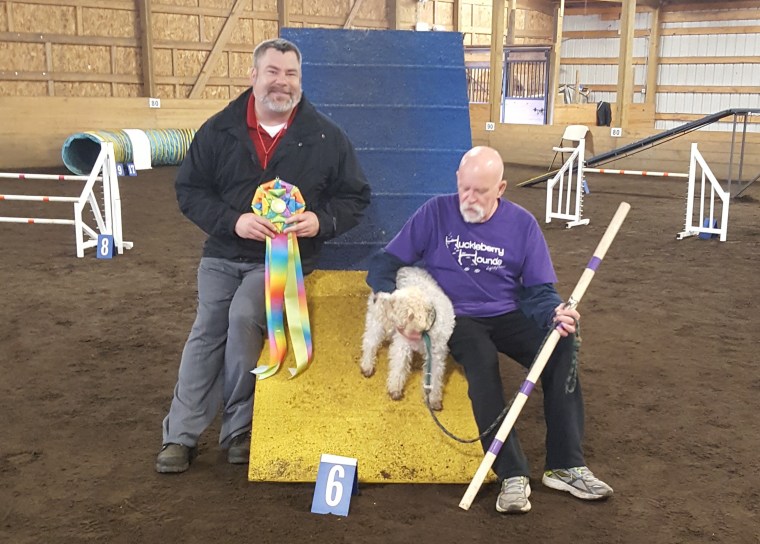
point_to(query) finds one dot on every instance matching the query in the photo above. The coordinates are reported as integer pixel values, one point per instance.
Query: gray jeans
(223, 347)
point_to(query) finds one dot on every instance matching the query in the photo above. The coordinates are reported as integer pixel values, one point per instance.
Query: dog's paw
(368, 372)
(436, 405)
(396, 395)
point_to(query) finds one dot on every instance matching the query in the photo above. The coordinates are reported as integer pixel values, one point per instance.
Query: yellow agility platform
(332, 408)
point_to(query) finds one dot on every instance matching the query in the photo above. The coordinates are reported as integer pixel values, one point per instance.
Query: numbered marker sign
(337, 481)
(131, 170)
(105, 246)
(119, 169)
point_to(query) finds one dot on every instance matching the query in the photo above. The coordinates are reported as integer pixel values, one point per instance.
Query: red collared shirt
(264, 143)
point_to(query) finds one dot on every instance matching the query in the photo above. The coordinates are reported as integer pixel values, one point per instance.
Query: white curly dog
(417, 305)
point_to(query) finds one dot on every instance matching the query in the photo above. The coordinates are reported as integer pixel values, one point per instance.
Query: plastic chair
(569, 141)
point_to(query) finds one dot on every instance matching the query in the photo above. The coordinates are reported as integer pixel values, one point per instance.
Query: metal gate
(525, 85)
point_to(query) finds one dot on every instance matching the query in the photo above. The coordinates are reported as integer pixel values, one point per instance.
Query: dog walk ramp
(332, 408)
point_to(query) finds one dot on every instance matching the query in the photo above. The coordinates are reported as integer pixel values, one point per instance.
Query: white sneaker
(579, 481)
(513, 498)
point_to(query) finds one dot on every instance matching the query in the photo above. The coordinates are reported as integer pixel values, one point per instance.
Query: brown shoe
(240, 449)
(174, 458)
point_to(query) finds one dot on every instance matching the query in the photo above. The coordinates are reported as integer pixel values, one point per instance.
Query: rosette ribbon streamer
(284, 286)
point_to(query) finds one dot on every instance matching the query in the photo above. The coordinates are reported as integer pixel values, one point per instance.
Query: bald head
(483, 161)
(480, 183)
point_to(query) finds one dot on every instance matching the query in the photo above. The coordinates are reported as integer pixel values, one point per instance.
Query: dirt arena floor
(89, 352)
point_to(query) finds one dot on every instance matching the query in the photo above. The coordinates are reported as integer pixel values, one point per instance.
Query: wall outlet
(616, 132)
(490, 126)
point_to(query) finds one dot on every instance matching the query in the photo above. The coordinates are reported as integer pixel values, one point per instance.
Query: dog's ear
(409, 315)
(384, 302)
(395, 308)
(430, 317)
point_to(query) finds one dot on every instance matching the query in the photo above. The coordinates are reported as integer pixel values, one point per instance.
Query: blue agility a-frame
(401, 97)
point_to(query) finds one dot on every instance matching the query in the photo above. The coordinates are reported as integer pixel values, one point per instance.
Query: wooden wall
(641, 115)
(72, 65)
(690, 58)
(97, 48)
(33, 137)
(532, 145)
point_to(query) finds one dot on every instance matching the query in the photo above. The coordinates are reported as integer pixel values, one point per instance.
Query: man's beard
(281, 107)
(472, 213)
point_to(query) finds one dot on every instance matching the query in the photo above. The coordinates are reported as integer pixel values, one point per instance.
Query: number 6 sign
(335, 474)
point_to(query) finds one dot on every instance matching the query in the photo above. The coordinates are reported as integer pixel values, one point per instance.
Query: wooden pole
(555, 59)
(394, 14)
(511, 22)
(283, 13)
(497, 59)
(146, 46)
(625, 66)
(653, 60)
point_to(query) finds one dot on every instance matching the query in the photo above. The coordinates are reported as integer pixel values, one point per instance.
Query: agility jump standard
(707, 226)
(542, 358)
(568, 207)
(569, 180)
(104, 170)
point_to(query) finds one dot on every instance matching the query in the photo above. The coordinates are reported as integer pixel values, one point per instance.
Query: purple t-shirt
(480, 266)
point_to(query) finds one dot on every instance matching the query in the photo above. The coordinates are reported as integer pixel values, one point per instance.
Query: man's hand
(254, 227)
(565, 320)
(303, 225)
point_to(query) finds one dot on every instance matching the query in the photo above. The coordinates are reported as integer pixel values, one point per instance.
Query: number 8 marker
(105, 246)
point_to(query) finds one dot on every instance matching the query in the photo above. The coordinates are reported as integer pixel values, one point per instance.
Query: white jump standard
(104, 170)
(707, 224)
(569, 193)
(568, 184)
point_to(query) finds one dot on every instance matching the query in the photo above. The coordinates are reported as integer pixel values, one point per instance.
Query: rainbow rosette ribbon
(283, 277)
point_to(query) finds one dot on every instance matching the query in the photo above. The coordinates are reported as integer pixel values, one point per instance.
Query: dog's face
(408, 311)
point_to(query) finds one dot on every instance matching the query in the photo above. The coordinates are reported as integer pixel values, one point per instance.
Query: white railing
(568, 186)
(707, 224)
(107, 223)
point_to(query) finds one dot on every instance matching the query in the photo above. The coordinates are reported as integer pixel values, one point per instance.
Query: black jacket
(221, 171)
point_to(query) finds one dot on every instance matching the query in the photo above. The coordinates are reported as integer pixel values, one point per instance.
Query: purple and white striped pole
(542, 358)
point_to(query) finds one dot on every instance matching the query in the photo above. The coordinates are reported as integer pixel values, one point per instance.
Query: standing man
(269, 131)
(490, 257)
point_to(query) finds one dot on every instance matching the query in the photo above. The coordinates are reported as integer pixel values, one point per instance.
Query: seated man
(490, 257)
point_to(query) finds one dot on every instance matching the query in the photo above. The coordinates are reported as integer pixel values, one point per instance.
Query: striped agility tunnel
(144, 148)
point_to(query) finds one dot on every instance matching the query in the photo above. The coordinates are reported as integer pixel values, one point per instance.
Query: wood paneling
(532, 145)
(575, 114)
(34, 128)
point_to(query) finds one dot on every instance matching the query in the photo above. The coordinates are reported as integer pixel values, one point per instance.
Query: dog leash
(569, 386)
(426, 385)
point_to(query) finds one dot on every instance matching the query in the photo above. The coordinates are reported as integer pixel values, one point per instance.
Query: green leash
(570, 384)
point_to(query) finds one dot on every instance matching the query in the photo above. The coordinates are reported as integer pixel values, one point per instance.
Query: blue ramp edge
(401, 97)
